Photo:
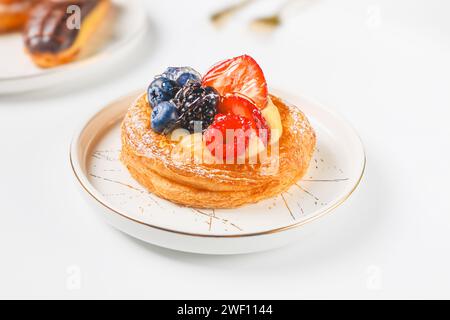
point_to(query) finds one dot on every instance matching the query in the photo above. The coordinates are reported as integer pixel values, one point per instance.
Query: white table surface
(384, 65)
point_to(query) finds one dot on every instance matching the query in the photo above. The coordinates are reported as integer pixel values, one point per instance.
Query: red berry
(241, 74)
(238, 104)
(233, 143)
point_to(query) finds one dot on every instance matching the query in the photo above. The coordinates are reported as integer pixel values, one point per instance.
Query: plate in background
(335, 171)
(125, 28)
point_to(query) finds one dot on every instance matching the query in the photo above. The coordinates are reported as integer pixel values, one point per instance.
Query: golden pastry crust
(14, 14)
(148, 157)
(48, 40)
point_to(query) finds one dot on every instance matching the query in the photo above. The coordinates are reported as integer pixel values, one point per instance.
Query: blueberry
(185, 77)
(172, 73)
(182, 75)
(164, 117)
(162, 89)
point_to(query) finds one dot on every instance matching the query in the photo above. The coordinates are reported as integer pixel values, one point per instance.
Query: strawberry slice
(229, 135)
(241, 74)
(238, 104)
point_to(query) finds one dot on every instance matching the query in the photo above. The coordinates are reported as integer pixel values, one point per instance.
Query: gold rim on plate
(267, 232)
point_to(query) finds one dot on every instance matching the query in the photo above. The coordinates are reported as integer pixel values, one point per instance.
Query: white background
(384, 65)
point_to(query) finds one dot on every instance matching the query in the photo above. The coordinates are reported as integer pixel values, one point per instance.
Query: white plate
(125, 27)
(335, 172)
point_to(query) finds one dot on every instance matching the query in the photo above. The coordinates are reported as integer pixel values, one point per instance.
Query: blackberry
(196, 104)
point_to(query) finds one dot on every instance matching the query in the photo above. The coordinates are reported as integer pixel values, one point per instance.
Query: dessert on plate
(14, 14)
(220, 140)
(58, 30)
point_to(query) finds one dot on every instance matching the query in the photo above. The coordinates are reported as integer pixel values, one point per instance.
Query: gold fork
(274, 20)
(220, 17)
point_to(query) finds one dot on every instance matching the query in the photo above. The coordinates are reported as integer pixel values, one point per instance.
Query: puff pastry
(148, 157)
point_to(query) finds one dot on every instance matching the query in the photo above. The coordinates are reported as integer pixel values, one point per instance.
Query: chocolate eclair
(58, 30)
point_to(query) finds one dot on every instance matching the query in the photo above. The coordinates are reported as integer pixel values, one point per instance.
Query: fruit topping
(182, 75)
(238, 104)
(241, 74)
(197, 105)
(161, 89)
(273, 120)
(164, 117)
(229, 135)
(192, 148)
